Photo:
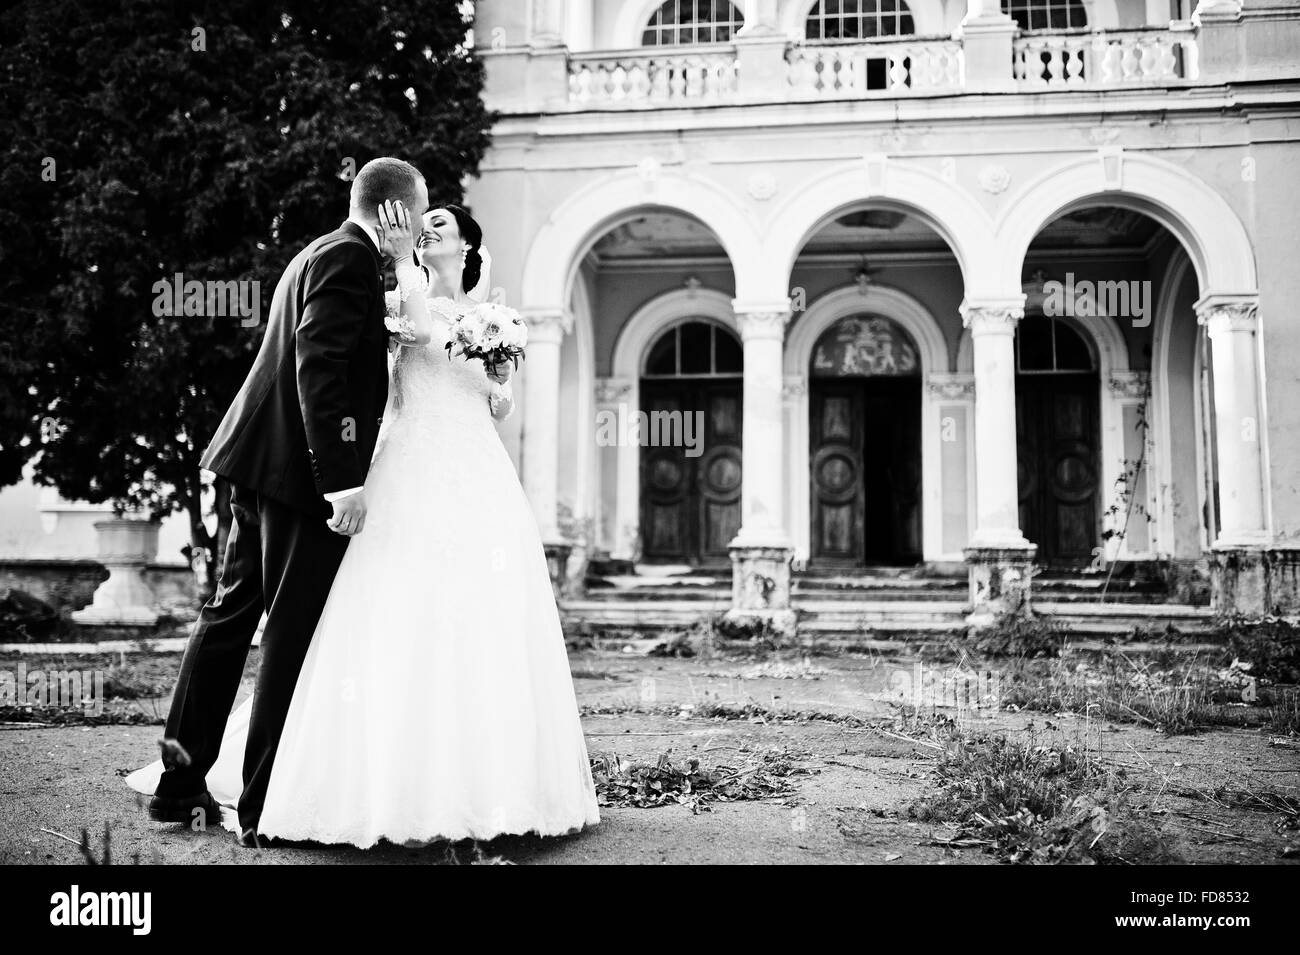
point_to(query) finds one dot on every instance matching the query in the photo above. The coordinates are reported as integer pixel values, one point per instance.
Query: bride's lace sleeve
(501, 400)
(407, 313)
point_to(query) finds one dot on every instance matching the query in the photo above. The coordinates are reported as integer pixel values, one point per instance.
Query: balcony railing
(653, 76)
(886, 68)
(1091, 60)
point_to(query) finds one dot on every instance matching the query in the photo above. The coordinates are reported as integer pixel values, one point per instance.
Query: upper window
(1045, 345)
(692, 21)
(857, 19)
(694, 349)
(1047, 14)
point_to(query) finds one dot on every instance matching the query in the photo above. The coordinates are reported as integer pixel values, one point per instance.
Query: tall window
(692, 21)
(1047, 14)
(857, 19)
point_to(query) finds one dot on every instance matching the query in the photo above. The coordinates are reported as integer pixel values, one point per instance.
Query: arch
(575, 225)
(927, 15)
(1162, 467)
(658, 315)
(1104, 338)
(635, 338)
(1209, 230)
(914, 318)
(881, 182)
(896, 305)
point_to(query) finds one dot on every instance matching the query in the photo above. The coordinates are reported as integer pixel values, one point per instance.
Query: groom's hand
(349, 515)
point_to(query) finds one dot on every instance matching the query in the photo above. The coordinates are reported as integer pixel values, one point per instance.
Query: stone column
(620, 458)
(540, 377)
(1000, 559)
(986, 35)
(761, 551)
(1238, 566)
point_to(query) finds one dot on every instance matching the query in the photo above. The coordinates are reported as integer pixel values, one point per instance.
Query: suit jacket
(306, 420)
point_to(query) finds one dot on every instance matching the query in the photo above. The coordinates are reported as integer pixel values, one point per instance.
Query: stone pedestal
(126, 547)
(760, 585)
(1255, 581)
(1000, 579)
(557, 563)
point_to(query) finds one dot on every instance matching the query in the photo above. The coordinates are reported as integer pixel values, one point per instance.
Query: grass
(1027, 801)
(628, 782)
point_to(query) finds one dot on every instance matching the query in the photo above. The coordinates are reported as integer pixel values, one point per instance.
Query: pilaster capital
(951, 387)
(611, 391)
(1223, 313)
(761, 320)
(1129, 384)
(993, 316)
(547, 325)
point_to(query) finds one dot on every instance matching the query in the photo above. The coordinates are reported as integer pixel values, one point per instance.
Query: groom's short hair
(381, 179)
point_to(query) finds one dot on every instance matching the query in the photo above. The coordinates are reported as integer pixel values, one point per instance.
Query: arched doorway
(865, 444)
(1058, 440)
(690, 389)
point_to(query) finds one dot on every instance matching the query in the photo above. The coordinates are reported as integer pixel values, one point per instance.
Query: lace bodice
(427, 383)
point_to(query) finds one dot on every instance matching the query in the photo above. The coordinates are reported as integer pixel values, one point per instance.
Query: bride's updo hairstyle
(472, 233)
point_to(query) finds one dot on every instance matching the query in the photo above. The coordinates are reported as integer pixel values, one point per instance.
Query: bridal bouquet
(492, 332)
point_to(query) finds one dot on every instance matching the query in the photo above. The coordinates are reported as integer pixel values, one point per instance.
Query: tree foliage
(145, 138)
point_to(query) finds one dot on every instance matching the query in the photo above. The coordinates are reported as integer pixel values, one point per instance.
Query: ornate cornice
(993, 317)
(1129, 384)
(795, 386)
(1228, 313)
(547, 325)
(762, 322)
(611, 391)
(950, 387)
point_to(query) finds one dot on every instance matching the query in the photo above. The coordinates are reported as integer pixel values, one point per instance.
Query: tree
(208, 139)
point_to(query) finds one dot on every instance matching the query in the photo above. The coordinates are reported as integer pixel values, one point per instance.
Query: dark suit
(304, 424)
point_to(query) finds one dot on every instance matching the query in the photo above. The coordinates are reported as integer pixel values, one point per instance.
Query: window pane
(1072, 352)
(727, 353)
(697, 357)
(1034, 344)
(663, 357)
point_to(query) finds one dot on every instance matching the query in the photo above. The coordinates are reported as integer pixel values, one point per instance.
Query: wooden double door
(865, 449)
(1057, 438)
(690, 502)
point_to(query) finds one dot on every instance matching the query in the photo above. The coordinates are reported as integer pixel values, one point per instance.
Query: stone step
(1120, 618)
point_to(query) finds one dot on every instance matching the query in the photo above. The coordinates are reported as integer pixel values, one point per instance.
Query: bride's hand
(396, 237)
(500, 373)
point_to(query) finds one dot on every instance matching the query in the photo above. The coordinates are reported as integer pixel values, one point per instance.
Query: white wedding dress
(435, 701)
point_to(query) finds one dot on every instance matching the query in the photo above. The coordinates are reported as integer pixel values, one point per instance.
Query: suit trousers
(280, 560)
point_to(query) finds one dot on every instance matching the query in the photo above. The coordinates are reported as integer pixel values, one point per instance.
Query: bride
(435, 701)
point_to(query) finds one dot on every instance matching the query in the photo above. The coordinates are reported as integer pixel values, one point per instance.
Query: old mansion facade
(903, 288)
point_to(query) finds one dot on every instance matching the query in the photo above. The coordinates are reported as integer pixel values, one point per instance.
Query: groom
(295, 446)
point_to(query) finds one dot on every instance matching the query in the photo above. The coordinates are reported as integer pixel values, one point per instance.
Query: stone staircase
(878, 602)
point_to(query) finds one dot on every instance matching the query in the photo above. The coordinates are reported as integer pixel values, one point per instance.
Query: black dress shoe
(186, 809)
(252, 839)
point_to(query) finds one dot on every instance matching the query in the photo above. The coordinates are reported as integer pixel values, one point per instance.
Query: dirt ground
(850, 808)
